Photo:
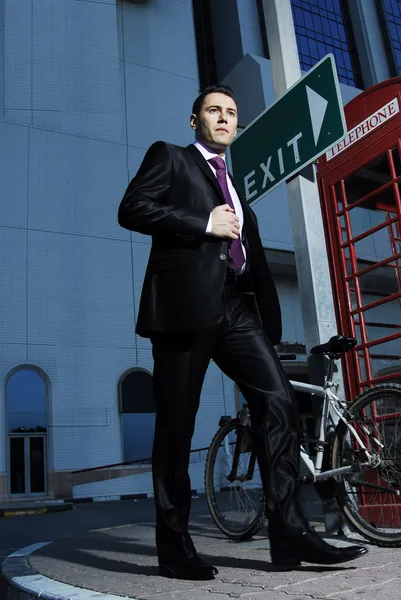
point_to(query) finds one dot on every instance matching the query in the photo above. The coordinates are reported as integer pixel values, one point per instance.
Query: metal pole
(315, 291)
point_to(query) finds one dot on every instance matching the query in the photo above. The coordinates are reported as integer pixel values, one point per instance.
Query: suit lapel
(202, 163)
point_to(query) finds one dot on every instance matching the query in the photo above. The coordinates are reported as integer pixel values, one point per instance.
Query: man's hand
(225, 223)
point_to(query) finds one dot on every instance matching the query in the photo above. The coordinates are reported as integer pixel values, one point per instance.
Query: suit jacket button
(222, 257)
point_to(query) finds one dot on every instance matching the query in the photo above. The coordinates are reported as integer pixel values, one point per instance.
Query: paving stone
(122, 561)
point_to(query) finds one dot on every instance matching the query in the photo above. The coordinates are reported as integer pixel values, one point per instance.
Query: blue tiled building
(85, 88)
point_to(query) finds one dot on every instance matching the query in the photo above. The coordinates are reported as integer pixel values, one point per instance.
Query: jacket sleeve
(146, 206)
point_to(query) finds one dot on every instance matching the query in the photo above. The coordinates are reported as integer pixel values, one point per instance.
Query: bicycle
(364, 455)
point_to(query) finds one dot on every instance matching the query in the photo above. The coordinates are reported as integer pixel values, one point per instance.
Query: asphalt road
(20, 531)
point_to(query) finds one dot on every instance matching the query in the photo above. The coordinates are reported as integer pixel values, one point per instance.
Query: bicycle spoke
(371, 497)
(235, 504)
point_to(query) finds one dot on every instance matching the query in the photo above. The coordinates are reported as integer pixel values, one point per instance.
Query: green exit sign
(298, 128)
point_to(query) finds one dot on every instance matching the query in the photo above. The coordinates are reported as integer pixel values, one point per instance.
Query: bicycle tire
(355, 499)
(239, 530)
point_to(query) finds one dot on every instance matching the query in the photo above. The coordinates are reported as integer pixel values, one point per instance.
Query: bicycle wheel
(237, 507)
(370, 496)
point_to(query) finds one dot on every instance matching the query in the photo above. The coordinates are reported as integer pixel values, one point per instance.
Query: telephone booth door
(360, 191)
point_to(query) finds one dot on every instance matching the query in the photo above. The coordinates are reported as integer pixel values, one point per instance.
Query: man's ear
(193, 122)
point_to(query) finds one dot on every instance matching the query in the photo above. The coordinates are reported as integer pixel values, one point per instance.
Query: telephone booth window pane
(396, 161)
(362, 366)
(367, 179)
(379, 283)
(384, 315)
(348, 263)
(382, 357)
(357, 329)
(372, 249)
(338, 196)
(389, 350)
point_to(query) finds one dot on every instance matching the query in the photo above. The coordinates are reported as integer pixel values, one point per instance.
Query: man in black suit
(208, 294)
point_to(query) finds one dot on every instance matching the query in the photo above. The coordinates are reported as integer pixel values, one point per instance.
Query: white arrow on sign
(317, 109)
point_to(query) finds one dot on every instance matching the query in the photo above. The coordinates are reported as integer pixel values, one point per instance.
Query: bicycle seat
(338, 344)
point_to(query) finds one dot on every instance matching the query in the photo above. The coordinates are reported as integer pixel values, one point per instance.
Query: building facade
(85, 88)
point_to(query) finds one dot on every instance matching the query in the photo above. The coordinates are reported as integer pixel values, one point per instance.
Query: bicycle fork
(241, 432)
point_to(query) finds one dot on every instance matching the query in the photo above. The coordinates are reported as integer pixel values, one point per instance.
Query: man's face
(216, 124)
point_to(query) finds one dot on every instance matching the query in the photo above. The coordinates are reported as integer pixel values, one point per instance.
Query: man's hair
(211, 89)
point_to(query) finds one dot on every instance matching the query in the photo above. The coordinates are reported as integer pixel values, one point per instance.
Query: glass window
(137, 393)
(317, 24)
(323, 17)
(138, 408)
(300, 16)
(313, 49)
(308, 20)
(303, 43)
(330, 5)
(341, 33)
(392, 13)
(334, 31)
(137, 434)
(26, 402)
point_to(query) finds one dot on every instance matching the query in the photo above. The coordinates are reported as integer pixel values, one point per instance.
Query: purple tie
(235, 250)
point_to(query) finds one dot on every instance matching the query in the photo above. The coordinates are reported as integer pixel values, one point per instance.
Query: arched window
(26, 402)
(138, 408)
(26, 416)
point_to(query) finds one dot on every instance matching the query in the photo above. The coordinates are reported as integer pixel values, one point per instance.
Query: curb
(24, 583)
(112, 498)
(69, 504)
(37, 510)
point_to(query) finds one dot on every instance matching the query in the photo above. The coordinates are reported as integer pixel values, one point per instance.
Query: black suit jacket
(171, 198)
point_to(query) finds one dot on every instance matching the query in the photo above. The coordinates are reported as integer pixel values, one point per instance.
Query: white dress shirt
(207, 155)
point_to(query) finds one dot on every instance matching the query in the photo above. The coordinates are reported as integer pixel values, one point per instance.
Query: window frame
(394, 68)
(335, 35)
(206, 59)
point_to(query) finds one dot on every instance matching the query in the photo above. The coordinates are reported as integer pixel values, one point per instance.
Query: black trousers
(243, 351)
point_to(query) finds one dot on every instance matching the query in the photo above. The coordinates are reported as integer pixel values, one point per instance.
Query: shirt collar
(206, 153)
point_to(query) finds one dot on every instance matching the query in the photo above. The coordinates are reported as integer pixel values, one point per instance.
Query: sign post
(298, 128)
(316, 296)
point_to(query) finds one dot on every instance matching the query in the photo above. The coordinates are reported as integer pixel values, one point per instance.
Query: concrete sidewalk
(121, 561)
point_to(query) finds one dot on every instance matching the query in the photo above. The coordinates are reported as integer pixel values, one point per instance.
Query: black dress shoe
(289, 552)
(191, 571)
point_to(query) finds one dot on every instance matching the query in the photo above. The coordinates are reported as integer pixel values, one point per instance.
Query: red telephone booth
(359, 181)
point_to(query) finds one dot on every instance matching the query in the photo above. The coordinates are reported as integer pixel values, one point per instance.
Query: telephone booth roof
(373, 114)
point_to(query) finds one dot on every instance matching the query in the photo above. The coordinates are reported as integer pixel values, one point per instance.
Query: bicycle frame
(330, 401)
